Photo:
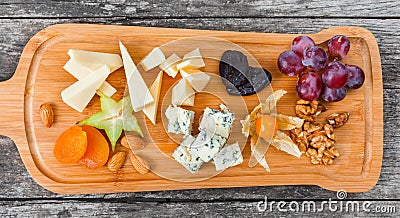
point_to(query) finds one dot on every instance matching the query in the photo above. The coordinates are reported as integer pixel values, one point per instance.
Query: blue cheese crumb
(229, 156)
(180, 121)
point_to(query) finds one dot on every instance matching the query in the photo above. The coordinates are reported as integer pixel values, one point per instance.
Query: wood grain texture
(199, 8)
(41, 65)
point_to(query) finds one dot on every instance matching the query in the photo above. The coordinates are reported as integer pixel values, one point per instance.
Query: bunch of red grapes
(317, 77)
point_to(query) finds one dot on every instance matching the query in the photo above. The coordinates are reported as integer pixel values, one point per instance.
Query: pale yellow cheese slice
(153, 59)
(94, 60)
(183, 94)
(80, 72)
(150, 110)
(192, 59)
(137, 87)
(169, 65)
(79, 94)
(197, 79)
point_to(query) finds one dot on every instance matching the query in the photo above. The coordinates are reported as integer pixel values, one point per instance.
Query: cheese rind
(183, 155)
(192, 59)
(180, 121)
(153, 59)
(93, 60)
(229, 156)
(137, 87)
(183, 93)
(217, 122)
(79, 94)
(197, 79)
(80, 72)
(150, 110)
(169, 65)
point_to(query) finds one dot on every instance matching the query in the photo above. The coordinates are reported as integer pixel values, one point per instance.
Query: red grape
(335, 75)
(315, 57)
(356, 77)
(338, 47)
(308, 86)
(289, 63)
(300, 43)
(332, 95)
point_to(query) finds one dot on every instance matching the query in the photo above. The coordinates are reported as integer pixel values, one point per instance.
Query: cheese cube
(229, 156)
(138, 89)
(153, 59)
(169, 65)
(79, 94)
(183, 155)
(180, 121)
(197, 79)
(206, 146)
(217, 122)
(192, 59)
(80, 72)
(183, 94)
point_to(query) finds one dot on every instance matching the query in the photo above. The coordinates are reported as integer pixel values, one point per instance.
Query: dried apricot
(71, 145)
(266, 126)
(97, 149)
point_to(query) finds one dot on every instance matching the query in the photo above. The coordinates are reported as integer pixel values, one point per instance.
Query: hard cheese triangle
(196, 78)
(137, 87)
(80, 72)
(93, 60)
(79, 94)
(183, 94)
(151, 109)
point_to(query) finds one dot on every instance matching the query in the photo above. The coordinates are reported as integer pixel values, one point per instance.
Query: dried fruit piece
(116, 161)
(141, 165)
(338, 119)
(71, 145)
(46, 114)
(97, 151)
(113, 118)
(135, 143)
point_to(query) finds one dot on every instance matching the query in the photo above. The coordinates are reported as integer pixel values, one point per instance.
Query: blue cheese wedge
(180, 121)
(229, 156)
(206, 146)
(188, 159)
(217, 122)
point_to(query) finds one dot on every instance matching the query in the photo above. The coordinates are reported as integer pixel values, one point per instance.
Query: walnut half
(309, 110)
(338, 119)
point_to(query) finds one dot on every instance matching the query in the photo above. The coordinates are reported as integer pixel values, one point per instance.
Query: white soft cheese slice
(80, 72)
(93, 60)
(137, 87)
(192, 59)
(79, 94)
(183, 93)
(153, 59)
(169, 65)
(196, 78)
(150, 110)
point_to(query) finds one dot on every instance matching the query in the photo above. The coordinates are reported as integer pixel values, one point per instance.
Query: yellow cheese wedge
(183, 94)
(153, 59)
(137, 87)
(197, 79)
(80, 72)
(169, 65)
(192, 59)
(79, 94)
(94, 60)
(150, 110)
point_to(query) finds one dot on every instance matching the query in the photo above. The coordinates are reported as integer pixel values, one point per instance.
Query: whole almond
(116, 161)
(46, 114)
(141, 165)
(135, 143)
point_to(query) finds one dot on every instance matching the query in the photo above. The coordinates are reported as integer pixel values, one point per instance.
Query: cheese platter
(187, 124)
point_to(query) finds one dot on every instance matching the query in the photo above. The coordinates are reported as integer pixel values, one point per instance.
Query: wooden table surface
(19, 21)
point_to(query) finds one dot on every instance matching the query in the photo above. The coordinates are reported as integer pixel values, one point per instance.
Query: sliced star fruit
(113, 118)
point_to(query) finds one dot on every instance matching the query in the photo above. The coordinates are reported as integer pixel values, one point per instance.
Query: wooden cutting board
(40, 78)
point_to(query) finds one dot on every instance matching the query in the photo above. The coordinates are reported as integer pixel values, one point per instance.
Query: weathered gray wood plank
(73, 208)
(199, 8)
(15, 33)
